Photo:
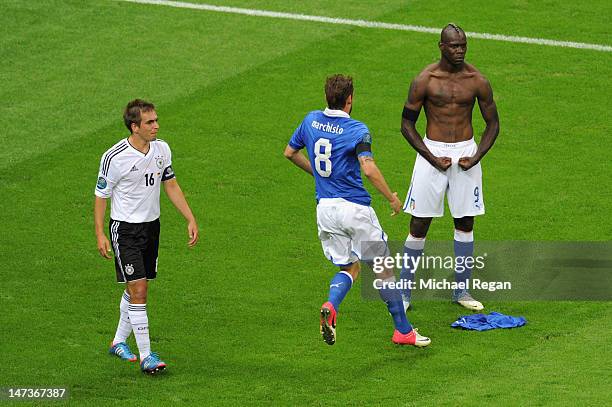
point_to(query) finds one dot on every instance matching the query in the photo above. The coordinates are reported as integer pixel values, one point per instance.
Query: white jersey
(132, 180)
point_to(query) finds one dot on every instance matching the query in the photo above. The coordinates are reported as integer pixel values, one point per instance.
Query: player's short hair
(337, 90)
(133, 112)
(449, 29)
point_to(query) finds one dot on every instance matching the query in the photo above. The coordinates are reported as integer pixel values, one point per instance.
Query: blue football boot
(122, 351)
(152, 364)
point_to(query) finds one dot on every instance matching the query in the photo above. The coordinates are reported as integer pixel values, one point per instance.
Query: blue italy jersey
(330, 137)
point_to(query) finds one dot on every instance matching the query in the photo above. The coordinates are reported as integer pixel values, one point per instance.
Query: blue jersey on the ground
(331, 137)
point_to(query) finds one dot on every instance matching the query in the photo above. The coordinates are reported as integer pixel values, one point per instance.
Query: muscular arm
(176, 196)
(102, 240)
(297, 158)
(488, 109)
(416, 98)
(371, 171)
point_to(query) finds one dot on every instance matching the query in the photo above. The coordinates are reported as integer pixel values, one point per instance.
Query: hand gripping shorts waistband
(441, 144)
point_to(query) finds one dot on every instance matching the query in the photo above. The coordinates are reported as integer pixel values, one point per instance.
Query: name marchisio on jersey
(132, 180)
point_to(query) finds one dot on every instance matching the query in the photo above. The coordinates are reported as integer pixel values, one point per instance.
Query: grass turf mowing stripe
(372, 24)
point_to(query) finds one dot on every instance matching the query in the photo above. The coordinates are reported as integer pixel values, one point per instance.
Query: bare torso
(448, 102)
(447, 90)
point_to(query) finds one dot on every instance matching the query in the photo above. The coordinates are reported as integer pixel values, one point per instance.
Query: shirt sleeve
(363, 146)
(168, 173)
(297, 140)
(108, 176)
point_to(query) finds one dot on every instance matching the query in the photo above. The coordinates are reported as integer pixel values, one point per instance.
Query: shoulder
(473, 72)
(113, 155)
(358, 125)
(117, 147)
(358, 128)
(431, 68)
(427, 73)
(312, 115)
(420, 82)
(161, 144)
(312, 118)
(470, 68)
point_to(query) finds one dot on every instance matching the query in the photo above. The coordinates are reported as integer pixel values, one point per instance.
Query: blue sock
(464, 247)
(393, 299)
(339, 287)
(413, 249)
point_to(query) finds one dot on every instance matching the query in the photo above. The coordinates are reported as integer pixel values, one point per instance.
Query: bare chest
(451, 91)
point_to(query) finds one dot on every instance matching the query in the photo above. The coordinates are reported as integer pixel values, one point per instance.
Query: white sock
(413, 246)
(140, 326)
(124, 329)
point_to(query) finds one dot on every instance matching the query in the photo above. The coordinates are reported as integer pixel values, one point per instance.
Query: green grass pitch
(236, 318)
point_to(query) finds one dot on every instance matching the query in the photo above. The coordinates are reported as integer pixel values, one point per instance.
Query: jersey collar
(335, 113)
(137, 150)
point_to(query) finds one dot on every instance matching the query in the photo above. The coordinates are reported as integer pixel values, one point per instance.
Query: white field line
(371, 24)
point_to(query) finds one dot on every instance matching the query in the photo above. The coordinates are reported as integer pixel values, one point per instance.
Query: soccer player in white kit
(131, 173)
(448, 159)
(339, 149)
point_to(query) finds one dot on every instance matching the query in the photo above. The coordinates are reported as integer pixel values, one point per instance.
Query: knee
(352, 269)
(419, 226)
(386, 274)
(138, 292)
(465, 224)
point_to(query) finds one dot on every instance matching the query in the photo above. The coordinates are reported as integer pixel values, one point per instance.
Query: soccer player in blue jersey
(339, 149)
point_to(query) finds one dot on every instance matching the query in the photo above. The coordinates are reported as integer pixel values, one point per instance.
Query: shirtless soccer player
(448, 159)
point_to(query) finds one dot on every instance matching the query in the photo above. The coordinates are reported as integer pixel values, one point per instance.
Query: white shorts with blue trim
(428, 186)
(349, 232)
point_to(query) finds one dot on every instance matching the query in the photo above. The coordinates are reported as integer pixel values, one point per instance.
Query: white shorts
(428, 185)
(349, 232)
